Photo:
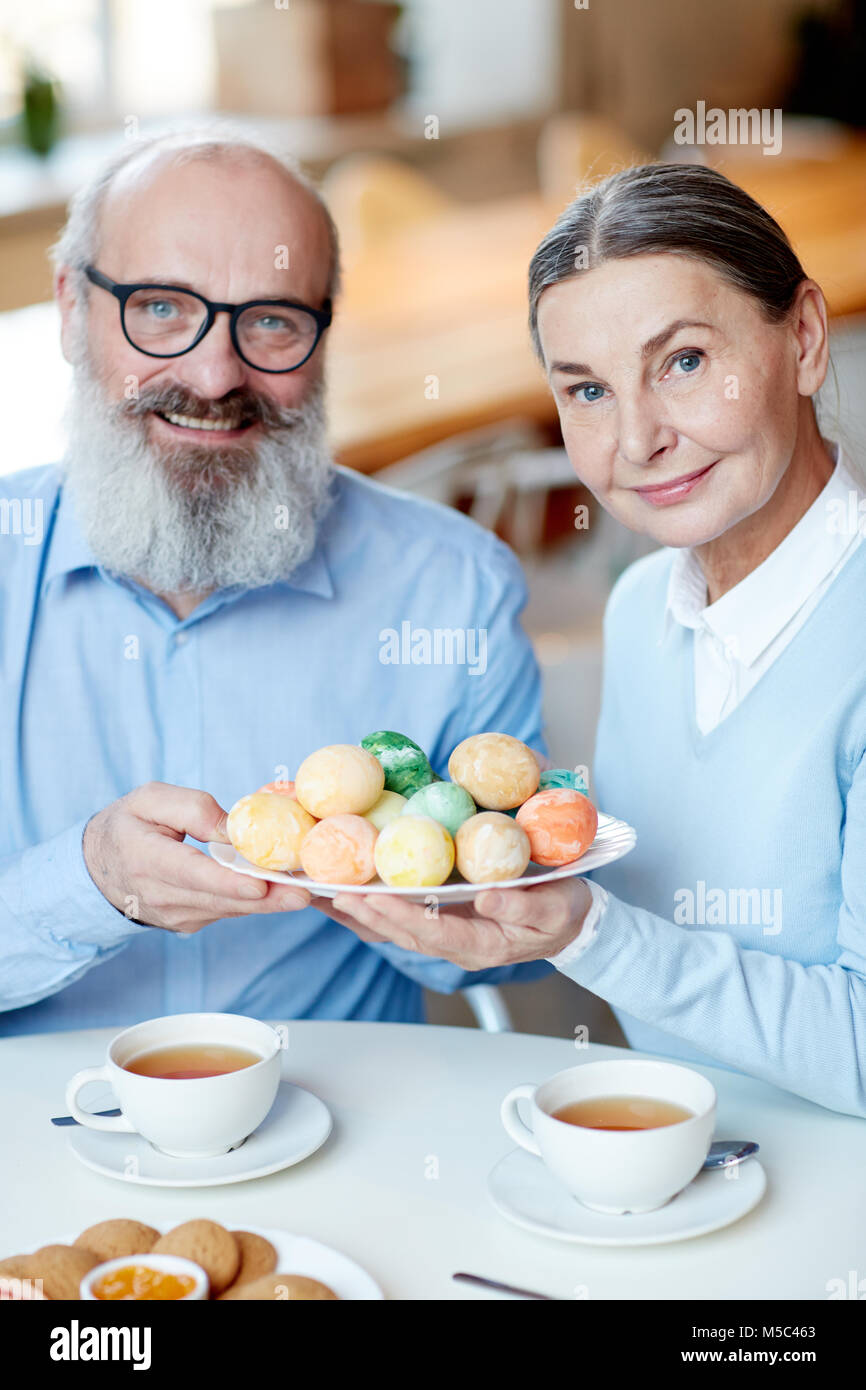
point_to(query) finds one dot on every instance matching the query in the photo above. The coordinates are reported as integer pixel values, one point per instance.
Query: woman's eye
(589, 392)
(688, 361)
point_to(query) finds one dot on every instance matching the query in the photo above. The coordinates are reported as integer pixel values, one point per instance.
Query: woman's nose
(643, 431)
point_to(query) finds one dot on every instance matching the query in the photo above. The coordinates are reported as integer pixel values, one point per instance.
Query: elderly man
(206, 601)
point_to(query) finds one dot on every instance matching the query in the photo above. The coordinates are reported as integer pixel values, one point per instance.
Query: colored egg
(389, 805)
(286, 788)
(444, 801)
(498, 771)
(561, 825)
(340, 779)
(339, 849)
(268, 830)
(405, 764)
(562, 777)
(490, 847)
(414, 852)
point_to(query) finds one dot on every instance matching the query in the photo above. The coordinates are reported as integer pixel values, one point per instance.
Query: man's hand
(135, 854)
(499, 927)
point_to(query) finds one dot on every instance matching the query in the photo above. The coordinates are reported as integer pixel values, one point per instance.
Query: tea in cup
(622, 1136)
(194, 1085)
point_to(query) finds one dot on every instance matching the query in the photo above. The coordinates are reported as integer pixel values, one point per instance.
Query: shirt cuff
(588, 932)
(59, 899)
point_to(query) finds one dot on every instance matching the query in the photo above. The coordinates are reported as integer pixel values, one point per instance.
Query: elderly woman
(684, 345)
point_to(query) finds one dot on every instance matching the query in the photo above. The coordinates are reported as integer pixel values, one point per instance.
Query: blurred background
(446, 136)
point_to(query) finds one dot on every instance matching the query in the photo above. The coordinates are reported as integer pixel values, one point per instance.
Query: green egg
(443, 801)
(406, 766)
(562, 777)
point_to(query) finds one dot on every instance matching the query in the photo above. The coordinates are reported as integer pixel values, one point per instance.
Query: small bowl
(167, 1264)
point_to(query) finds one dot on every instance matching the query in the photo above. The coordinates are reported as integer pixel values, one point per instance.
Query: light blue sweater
(736, 930)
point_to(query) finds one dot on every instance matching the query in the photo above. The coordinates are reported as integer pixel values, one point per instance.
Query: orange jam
(142, 1282)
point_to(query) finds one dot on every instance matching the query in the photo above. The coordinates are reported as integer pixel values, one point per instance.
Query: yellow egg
(340, 779)
(414, 852)
(389, 806)
(498, 771)
(491, 847)
(268, 830)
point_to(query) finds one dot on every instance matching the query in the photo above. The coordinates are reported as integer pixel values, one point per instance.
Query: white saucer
(297, 1125)
(300, 1255)
(613, 839)
(523, 1191)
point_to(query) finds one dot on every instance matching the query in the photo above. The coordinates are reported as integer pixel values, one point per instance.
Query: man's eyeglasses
(271, 335)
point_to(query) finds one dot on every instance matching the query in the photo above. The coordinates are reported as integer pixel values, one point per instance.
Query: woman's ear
(809, 320)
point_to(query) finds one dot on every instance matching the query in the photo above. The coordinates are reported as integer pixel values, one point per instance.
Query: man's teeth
(191, 422)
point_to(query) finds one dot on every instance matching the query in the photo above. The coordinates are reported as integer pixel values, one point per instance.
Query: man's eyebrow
(651, 346)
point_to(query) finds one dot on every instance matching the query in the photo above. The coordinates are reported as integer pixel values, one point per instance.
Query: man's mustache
(242, 406)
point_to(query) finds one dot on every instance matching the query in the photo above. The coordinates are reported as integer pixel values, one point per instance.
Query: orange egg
(287, 788)
(560, 823)
(339, 849)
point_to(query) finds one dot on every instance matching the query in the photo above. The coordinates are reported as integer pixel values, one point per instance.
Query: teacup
(191, 1118)
(616, 1171)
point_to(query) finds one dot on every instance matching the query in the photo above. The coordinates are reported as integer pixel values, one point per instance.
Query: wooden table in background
(431, 336)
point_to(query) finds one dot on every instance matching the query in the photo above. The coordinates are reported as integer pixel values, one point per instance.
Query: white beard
(195, 519)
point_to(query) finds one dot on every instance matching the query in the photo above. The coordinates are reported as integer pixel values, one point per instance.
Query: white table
(404, 1095)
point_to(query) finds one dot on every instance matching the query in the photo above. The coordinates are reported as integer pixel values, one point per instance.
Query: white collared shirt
(738, 637)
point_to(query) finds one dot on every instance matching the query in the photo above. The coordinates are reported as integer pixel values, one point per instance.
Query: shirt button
(181, 638)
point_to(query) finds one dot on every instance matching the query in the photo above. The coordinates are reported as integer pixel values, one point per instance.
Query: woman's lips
(663, 494)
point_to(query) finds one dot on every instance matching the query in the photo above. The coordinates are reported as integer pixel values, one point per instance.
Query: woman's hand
(501, 926)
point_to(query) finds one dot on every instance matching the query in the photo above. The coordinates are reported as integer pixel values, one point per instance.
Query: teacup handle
(510, 1115)
(74, 1085)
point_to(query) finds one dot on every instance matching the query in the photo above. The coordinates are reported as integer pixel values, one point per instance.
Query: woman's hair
(687, 209)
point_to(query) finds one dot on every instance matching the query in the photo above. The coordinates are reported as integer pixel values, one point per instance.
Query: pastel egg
(268, 830)
(414, 852)
(389, 805)
(444, 801)
(405, 764)
(284, 788)
(498, 771)
(491, 846)
(561, 825)
(339, 849)
(340, 779)
(562, 777)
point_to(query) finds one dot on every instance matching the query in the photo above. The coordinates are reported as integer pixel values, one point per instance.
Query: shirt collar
(68, 551)
(756, 610)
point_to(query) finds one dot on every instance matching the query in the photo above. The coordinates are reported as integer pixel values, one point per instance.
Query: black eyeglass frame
(122, 293)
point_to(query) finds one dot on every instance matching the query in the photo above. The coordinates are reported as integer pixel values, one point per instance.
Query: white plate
(297, 1124)
(613, 839)
(523, 1191)
(296, 1255)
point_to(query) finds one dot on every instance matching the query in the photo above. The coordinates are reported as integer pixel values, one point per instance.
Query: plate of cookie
(374, 817)
(262, 1264)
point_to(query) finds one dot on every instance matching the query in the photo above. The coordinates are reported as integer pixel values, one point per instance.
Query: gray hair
(687, 209)
(78, 243)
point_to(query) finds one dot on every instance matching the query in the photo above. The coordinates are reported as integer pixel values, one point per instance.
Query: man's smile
(205, 429)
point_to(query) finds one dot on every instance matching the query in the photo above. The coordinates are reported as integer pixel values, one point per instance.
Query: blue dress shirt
(103, 688)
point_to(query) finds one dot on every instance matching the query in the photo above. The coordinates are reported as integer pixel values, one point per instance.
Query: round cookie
(405, 764)
(339, 779)
(112, 1239)
(444, 801)
(498, 771)
(268, 830)
(209, 1245)
(281, 788)
(491, 847)
(414, 852)
(562, 777)
(258, 1258)
(279, 1288)
(561, 825)
(339, 849)
(20, 1267)
(62, 1268)
(386, 809)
